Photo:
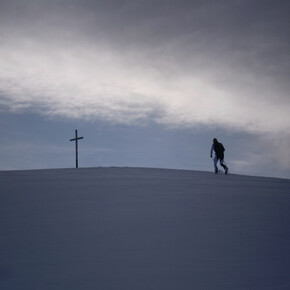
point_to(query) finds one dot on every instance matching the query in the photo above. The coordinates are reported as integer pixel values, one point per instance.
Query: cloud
(127, 64)
(266, 153)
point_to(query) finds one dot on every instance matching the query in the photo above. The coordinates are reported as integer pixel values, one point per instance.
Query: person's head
(215, 140)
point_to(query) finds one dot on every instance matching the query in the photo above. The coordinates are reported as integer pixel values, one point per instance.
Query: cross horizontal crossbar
(75, 139)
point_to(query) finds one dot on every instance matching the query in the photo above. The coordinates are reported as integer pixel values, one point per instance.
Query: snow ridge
(143, 228)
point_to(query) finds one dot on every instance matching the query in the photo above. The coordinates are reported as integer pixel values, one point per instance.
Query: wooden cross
(76, 140)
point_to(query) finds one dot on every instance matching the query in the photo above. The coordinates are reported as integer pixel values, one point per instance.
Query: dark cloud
(240, 33)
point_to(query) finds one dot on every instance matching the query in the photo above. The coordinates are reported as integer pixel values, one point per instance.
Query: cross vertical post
(76, 140)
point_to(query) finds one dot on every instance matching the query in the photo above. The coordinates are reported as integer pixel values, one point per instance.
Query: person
(218, 149)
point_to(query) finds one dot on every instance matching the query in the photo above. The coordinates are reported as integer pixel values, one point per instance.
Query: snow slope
(134, 228)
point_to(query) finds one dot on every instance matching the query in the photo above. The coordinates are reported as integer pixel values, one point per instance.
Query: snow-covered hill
(134, 228)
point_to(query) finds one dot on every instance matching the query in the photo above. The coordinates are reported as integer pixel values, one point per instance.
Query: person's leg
(215, 160)
(222, 163)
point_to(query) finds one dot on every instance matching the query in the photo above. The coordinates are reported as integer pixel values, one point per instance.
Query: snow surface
(134, 228)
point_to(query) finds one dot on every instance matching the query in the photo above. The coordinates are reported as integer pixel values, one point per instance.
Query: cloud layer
(186, 64)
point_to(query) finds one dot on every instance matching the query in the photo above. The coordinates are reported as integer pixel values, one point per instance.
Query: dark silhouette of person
(219, 150)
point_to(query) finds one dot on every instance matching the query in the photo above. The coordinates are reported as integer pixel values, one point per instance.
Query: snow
(142, 228)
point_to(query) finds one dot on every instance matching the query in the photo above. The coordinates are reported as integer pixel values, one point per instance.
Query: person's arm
(211, 150)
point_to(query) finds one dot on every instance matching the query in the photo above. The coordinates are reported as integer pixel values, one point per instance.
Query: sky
(146, 83)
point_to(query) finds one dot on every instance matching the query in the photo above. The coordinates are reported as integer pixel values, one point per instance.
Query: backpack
(219, 148)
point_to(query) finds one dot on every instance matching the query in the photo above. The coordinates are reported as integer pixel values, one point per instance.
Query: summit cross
(76, 140)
